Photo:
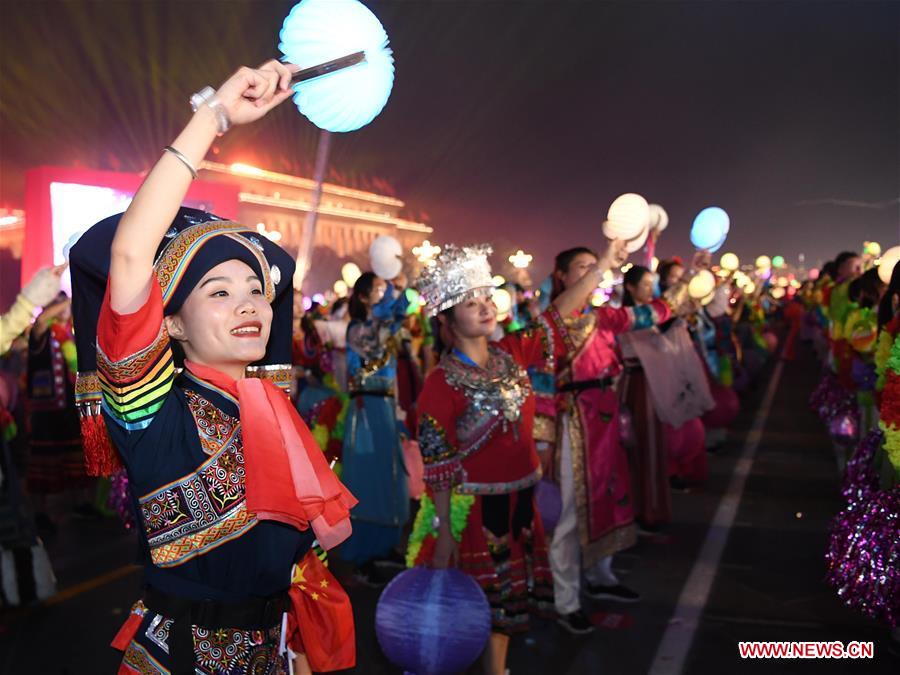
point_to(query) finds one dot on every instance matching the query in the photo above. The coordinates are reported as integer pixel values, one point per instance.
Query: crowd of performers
(243, 437)
(853, 318)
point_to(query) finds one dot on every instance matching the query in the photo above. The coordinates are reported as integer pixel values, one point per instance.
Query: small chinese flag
(320, 624)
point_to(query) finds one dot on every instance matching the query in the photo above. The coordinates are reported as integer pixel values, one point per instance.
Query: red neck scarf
(287, 476)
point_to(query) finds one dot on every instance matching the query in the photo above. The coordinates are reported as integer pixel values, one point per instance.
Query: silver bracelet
(184, 160)
(207, 96)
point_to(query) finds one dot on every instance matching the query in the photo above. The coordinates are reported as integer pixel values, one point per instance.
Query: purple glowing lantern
(432, 622)
(549, 504)
(843, 428)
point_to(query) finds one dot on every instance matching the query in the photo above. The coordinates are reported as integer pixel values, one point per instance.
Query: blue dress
(373, 457)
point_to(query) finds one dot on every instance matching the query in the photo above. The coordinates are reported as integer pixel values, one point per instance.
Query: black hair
(843, 257)
(632, 278)
(663, 269)
(337, 305)
(561, 264)
(886, 308)
(361, 289)
(866, 290)
(829, 270)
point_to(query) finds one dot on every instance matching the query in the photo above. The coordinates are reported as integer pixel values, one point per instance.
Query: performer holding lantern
(590, 463)
(372, 453)
(229, 484)
(476, 421)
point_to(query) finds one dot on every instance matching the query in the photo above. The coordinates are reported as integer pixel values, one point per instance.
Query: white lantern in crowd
(730, 262)
(659, 219)
(350, 272)
(628, 215)
(384, 254)
(634, 245)
(341, 288)
(503, 300)
(886, 266)
(702, 284)
(763, 262)
(778, 292)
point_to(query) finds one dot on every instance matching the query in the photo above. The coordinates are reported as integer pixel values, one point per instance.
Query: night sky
(513, 122)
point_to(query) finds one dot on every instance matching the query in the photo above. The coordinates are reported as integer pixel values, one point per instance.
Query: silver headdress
(456, 275)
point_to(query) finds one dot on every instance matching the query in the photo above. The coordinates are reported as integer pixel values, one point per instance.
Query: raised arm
(576, 296)
(246, 96)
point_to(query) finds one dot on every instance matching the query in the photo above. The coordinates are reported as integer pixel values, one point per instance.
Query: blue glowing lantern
(710, 228)
(347, 69)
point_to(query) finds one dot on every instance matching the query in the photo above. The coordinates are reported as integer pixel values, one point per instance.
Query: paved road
(767, 584)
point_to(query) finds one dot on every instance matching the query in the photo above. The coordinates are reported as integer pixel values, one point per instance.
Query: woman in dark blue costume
(228, 484)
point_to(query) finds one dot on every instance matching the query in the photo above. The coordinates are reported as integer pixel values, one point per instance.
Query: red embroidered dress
(475, 434)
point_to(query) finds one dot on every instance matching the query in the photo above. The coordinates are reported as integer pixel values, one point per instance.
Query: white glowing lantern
(598, 299)
(749, 288)
(384, 255)
(730, 262)
(886, 266)
(498, 280)
(628, 215)
(520, 260)
(763, 262)
(782, 282)
(778, 292)
(350, 272)
(503, 300)
(659, 219)
(634, 245)
(341, 288)
(702, 284)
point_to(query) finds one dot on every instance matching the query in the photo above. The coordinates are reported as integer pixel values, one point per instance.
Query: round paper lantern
(872, 248)
(763, 262)
(627, 216)
(701, 284)
(886, 267)
(341, 288)
(814, 274)
(634, 245)
(659, 219)
(317, 32)
(710, 228)
(503, 300)
(730, 262)
(749, 288)
(498, 280)
(549, 503)
(350, 272)
(432, 622)
(384, 255)
(778, 292)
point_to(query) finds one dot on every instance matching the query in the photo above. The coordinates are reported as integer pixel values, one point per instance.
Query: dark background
(516, 122)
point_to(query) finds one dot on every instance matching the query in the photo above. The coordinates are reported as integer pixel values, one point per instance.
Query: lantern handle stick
(328, 67)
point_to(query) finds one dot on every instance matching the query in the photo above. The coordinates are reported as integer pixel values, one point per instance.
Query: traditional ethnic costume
(55, 461)
(229, 485)
(475, 434)
(597, 518)
(372, 454)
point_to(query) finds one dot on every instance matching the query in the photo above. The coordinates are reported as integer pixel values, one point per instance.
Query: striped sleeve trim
(134, 388)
